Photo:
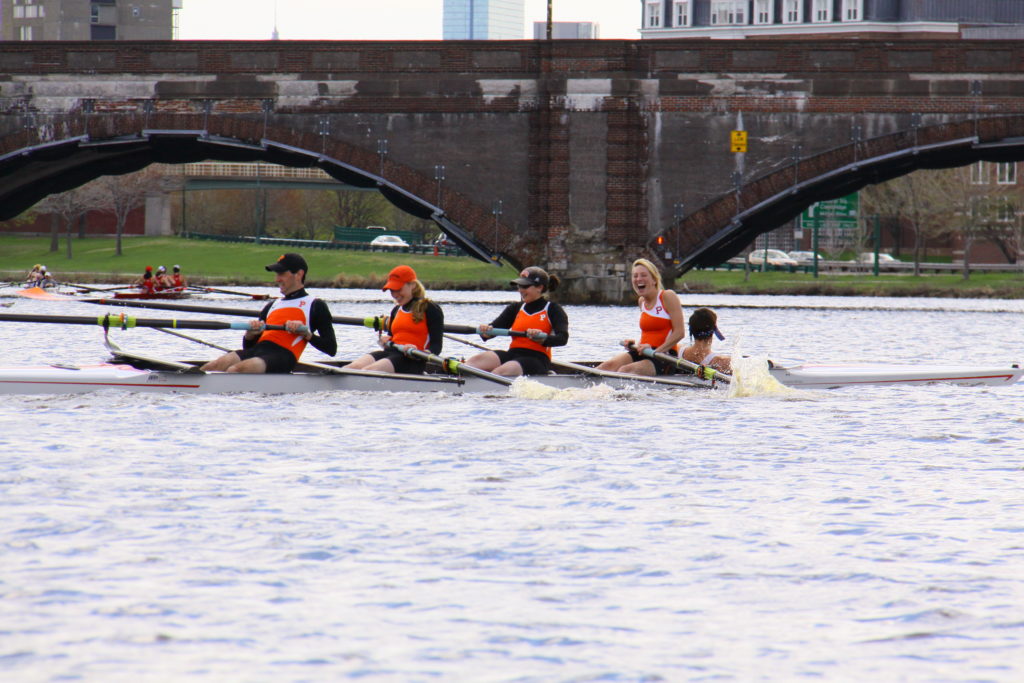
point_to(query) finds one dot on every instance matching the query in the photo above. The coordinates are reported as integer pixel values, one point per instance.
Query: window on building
(822, 11)
(853, 10)
(793, 12)
(653, 15)
(1006, 212)
(681, 13)
(763, 11)
(24, 33)
(19, 12)
(728, 12)
(979, 173)
(1006, 173)
(101, 32)
(31, 11)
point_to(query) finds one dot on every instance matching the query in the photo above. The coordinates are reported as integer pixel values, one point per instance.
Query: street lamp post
(439, 176)
(382, 151)
(497, 214)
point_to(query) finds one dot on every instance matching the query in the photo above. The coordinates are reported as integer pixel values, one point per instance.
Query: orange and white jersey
(405, 331)
(283, 310)
(537, 321)
(655, 324)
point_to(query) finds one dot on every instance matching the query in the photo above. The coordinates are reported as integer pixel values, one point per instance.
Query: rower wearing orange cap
(415, 321)
(147, 282)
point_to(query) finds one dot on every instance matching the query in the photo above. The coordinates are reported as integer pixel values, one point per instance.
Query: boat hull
(837, 376)
(68, 379)
(152, 295)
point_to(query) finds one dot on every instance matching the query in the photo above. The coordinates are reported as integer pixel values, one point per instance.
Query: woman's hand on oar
(450, 365)
(702, 371)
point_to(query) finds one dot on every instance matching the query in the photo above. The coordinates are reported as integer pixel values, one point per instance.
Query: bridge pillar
(158, 214)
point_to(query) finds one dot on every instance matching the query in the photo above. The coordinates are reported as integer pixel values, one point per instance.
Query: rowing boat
(837, 376)
(80, 379)
(152, 295)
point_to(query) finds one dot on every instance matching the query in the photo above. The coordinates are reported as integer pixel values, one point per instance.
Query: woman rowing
(147, 283)
(415, 321)
(661, 325)
(540, 324)
(704, 326)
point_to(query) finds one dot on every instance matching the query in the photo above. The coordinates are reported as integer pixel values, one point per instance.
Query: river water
(846, 535)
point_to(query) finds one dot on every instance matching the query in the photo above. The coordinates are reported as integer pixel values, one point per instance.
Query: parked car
(388, 242)
(805, 257)
(869, 257)
(775, 258)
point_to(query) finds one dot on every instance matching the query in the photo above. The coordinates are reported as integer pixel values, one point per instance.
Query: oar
(257, 297)
(586, 369)
(125, 322)
(702, 371)
(87, 288)
(451, 364)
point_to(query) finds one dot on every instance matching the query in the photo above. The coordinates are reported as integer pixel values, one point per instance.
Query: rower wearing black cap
(306, 319)
(542, 324)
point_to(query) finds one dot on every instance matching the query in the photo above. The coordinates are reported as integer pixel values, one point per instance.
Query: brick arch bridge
(575, 155)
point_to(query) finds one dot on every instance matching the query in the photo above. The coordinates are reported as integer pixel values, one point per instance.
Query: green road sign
(839, 213)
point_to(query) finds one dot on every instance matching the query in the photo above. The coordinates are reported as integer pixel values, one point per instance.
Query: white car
(388, 242)
(774, 258)
(805, 257)
(869, 257)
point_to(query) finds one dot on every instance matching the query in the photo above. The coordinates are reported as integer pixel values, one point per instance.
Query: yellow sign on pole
(738, 141)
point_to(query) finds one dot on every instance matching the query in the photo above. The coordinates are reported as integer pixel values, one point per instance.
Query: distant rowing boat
(836, 376)
(152, 295)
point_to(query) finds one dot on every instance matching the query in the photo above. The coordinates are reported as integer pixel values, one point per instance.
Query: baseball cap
(290, 262)
(532, 276)
(177, 268)
(399, 276)
(161, 269)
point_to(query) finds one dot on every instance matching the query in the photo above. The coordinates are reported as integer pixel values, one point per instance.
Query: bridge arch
(38, 161)
(724, 227)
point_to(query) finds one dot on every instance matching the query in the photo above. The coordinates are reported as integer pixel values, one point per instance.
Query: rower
(544, 323)
(415, 322)
(163, 280)
(704, 326)
(177, 280)
(307, 321)
(33, 276)
(146, 282)
(661, 325)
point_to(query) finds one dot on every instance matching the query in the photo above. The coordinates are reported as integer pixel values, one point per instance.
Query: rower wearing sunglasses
(536, 324)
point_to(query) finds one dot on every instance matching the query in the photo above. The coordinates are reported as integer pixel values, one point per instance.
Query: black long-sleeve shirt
(559, 335)
(321, 324)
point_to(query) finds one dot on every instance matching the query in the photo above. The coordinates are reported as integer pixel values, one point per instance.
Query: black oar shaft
(451, 364)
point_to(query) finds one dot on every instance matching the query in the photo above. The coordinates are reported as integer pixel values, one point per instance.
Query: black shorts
(277, 358)
(401, 363)
(660, 366)
(532, 362)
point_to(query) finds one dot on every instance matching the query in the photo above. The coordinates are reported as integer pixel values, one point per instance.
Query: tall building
(566, 30)
(484, 19)
(734, 19)
(88, 19)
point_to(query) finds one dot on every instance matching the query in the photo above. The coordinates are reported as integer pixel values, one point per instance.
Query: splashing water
(534, 390)
(750, 377)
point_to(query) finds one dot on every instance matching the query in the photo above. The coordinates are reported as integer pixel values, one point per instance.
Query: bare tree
(358, 208)
(66, 208)
(125, 193)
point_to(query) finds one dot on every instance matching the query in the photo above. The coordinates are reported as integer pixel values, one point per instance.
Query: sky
(376, 19)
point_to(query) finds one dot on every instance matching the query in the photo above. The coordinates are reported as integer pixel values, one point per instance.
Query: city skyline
(351, 20)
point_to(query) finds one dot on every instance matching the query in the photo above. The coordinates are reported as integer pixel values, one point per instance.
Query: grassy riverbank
(217, 263)
(223, 263)
(980, 285)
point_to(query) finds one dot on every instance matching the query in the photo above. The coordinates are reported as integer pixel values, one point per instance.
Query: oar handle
(376, 322)
(702, 371)
(450, 365)
(502, 332)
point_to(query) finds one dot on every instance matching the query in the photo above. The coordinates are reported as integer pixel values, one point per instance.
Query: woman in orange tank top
(414, 321)
(661, 324)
